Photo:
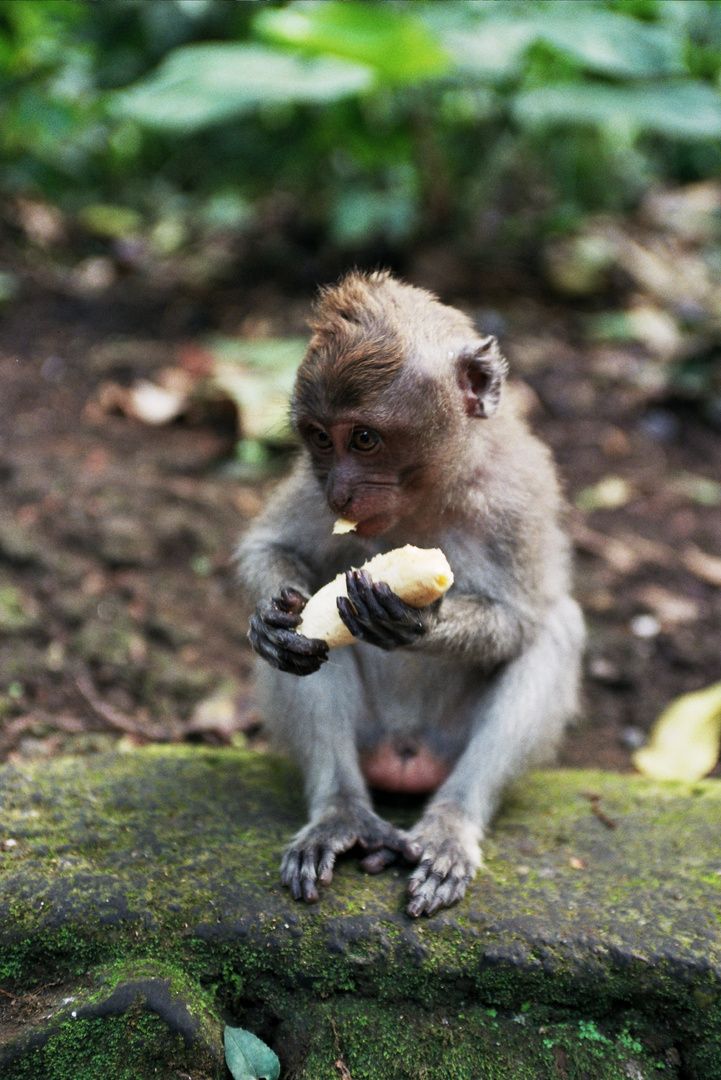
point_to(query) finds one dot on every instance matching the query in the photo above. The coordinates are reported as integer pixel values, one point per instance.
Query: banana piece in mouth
(343, 525)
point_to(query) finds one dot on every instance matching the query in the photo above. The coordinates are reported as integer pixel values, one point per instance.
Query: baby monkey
(404, 429)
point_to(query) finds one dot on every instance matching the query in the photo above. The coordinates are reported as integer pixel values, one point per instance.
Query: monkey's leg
(316, 719)
(518, 722)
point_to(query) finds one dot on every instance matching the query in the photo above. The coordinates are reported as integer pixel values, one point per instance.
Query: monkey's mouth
(374, 526)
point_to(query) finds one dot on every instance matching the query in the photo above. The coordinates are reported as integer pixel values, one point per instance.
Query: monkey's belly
(404, 766)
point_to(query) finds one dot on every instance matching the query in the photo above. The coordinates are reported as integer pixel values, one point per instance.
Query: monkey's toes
(378, 860)
(430, 890)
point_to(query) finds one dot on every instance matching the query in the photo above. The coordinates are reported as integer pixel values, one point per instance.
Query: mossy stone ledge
(140, 911)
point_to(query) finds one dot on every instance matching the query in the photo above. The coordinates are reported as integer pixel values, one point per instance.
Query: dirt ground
(119, 615)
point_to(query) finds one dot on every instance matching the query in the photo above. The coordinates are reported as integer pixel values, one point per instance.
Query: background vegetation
(354, 123)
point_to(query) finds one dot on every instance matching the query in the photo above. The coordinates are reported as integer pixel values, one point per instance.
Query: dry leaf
(672, 610)
(684, 743)
(704, 566)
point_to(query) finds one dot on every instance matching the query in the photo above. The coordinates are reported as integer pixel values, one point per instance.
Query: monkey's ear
(481, 372)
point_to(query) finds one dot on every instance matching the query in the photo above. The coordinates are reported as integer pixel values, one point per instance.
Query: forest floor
(119, 615)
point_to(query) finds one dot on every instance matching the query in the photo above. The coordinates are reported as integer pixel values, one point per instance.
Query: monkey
(405, 429)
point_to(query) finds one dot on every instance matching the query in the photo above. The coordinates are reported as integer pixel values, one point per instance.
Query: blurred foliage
(356, 121)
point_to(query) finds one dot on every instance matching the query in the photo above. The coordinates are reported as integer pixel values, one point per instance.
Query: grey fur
(489, 686)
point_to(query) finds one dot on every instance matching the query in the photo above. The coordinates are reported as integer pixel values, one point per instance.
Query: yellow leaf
(684, 743)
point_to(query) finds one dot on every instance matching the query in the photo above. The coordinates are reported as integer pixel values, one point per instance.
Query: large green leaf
(610, 44)
(687, 110)
(388, 39)
(495, 50)
(199, 85)
(597, 40)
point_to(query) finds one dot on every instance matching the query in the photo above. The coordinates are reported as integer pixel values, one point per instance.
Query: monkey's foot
(310, 859)
(450, 856)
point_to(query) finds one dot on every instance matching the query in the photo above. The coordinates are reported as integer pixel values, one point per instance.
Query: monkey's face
(367, 473)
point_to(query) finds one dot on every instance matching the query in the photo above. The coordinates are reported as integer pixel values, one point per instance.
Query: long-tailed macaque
(398, 405)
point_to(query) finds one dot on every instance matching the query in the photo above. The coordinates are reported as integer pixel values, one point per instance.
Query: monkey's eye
(364, 439)
(320, 439)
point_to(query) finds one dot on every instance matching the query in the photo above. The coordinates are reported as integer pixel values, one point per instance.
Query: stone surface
(140, 911)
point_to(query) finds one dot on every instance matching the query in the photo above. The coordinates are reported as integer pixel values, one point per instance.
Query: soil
(119, 614)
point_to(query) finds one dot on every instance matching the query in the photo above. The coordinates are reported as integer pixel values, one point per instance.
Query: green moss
(165, 861)
(472, 1044)
(135, 1046)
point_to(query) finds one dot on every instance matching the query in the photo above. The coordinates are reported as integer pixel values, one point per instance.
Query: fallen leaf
(608, 494)
(154, 404)
(691, 212)
(704, 566)
(672, 610)
(698, 489)
(224, 713)
(248, 1057)
(625, 552)
(684, 743)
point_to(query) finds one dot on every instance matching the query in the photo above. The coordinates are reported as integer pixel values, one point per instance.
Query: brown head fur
(364, 329)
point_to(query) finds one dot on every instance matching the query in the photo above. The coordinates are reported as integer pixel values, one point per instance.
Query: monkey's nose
(340, 502)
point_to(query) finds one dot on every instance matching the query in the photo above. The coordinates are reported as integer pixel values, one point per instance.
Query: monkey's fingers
(378, 614)
(291, 600)
(407, 851)
(359, 628)
(376, 833)
(398, 611)
(296, 654)
(297, 644)
(285, 649)
(279, 619)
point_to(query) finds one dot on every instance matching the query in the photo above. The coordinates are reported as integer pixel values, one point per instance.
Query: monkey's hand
(449, 857)
(310, 859)
(375, 614)
(273, 636)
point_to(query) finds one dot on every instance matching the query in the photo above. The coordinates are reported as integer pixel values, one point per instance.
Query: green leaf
(495, 50)
(611, 44)
(199, 85)
(248, 1057)
(390, 40)
(608, 494)
(258, 374)
(685, 111)
(109, 221)
(360, 215)
(279, 355)
(598, 40)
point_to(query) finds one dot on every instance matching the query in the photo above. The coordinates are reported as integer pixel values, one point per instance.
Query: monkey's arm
(475, 628)
(479, 629)
(276, 551)
(274, 560)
